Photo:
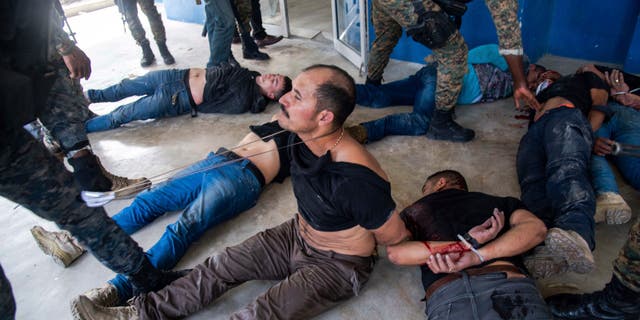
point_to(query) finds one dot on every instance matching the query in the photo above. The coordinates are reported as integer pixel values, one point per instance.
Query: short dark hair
(453, 177)
(337, 95)
(539, 68)
(286, 88)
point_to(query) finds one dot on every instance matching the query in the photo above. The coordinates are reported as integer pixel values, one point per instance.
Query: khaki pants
(312, 280)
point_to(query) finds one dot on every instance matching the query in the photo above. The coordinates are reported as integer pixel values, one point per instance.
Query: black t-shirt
(575, 88)
(334, 196)
(441, 216)
(272, 130)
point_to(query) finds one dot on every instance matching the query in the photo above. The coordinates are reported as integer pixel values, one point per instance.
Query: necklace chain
(339, 140)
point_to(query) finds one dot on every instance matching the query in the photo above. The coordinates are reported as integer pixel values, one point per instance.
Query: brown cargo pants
(311, 280)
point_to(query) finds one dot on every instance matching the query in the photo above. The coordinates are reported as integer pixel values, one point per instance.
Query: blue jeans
(208, 195)
(623, 127)
(220, 23)
(489, 296)
(553, 171)
(417, 90)
(164, 95)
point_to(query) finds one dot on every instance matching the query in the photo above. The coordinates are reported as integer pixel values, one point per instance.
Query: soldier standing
(130, 13)
(429, 23)
(39, 73)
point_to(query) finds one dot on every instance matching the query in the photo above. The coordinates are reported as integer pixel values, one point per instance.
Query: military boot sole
(570, 245)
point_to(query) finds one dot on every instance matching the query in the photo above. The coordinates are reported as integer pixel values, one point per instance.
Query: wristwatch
(472, 241)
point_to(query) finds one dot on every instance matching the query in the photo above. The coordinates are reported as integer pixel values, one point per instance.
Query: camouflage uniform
(130, 11)
(244, 10)
(627, 266)
(29, 174)
(390, 16)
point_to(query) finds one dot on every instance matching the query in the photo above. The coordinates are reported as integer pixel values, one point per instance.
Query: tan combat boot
(612, 209)
(60, 245)
(84, 309)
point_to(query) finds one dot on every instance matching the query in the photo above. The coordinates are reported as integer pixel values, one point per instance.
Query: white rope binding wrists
(474, 250)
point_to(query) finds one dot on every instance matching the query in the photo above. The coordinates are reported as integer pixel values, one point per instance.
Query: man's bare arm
(526, 232)
(392, 232)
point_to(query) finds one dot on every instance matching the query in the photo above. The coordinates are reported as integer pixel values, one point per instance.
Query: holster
(453, 7)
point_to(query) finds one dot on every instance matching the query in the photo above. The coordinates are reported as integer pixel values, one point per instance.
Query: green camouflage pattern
(627, 266)
(505, 18)
(391, 16)
(130, 11)
(243, 19)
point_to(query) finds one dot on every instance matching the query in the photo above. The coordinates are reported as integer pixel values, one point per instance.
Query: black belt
(230, 155)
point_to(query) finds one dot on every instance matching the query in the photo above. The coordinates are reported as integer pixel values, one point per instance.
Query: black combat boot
(147, 55)
(88, 174)
(148, 278)
(164, 52)
(442, 127)
(250, 49)
(376, 82)
(615, 301)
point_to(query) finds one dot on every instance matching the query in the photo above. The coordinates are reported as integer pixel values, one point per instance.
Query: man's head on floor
(322, 98)
(539, 77)
(443, 180)
(273, 86)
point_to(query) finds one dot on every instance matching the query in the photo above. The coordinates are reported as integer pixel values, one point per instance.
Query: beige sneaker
(612, 209)
(84, 309)
(124, 187)
(105, 296)
(571, 246)
(60, 245)
(543, 263)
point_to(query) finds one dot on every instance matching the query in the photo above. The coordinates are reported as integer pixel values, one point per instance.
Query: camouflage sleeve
(505, 18)
(58, 38)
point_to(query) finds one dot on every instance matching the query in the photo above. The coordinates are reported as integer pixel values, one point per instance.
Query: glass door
(275, 17)
(350, 33)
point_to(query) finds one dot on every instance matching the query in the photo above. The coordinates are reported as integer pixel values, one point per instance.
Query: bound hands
(620, 90)
(602, 147)
(78, 63)
(458, 261)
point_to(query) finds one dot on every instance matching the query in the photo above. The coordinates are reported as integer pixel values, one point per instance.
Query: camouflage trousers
(66, 112)
(627, 266)
(389, 17)
(7, 303)
(130, 11)
(244, 10)
(33, 178)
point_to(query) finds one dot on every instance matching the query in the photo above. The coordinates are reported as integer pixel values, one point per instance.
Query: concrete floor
(43, 289)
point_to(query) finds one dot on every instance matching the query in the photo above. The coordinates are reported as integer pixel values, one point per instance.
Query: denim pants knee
(487, 297)
(164, 95)
(622, 127)
(417, 90)
(553, 171)
(209, 193)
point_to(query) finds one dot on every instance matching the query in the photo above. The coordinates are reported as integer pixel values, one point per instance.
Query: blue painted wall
(584, 29)
(632, 62)
(606, 31)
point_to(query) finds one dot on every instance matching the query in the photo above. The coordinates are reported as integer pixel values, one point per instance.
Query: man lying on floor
(620, 124)
(488, 79)
(226, 88)
(324, 254)
(553, 168)
(486, 282)
(209, 192)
